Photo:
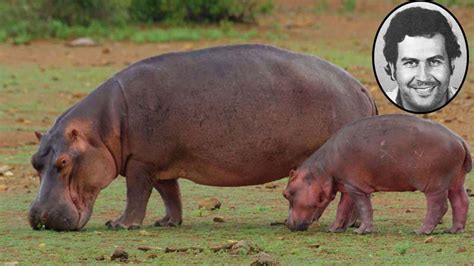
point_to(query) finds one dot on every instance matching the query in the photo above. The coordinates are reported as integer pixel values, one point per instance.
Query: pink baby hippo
(382, 153)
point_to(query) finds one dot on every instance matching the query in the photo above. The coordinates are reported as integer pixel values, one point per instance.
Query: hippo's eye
(62, 162)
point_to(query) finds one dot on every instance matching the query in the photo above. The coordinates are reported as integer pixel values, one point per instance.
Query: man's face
(423, 72)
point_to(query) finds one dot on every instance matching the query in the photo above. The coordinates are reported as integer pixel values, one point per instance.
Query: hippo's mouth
(84, 211)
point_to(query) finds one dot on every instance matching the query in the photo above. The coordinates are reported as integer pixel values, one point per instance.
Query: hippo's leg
(139, 187)
(169, 191)
(353, 219)
(437, 206)
(138, 194)
(459, 204)
(344, 214)
(364, 208)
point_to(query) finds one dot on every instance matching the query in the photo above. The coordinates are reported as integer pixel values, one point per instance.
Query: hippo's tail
(467, 159)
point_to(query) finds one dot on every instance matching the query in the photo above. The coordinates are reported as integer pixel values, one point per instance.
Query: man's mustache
(424, 84)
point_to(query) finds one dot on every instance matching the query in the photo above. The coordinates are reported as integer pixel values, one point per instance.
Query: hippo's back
(236, 115)
(396, 151)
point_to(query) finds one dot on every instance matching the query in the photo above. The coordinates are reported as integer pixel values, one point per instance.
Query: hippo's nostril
(35, 219)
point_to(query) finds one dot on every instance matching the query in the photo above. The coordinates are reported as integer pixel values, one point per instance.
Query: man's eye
(435, 63)
(410, 64)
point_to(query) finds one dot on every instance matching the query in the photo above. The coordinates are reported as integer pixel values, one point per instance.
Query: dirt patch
(14, 139)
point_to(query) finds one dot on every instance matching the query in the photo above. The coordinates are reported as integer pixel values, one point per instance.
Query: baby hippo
(382, 153)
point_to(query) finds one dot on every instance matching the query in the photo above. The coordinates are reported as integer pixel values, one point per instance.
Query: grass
(133, 32)
(28, 92)
(393, 243)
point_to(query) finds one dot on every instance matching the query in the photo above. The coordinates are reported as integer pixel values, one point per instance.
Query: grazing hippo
(383, 153)
(225, 116)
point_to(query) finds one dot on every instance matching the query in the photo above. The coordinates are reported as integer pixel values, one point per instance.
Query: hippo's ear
(73, 135)
(38, 135)
(292, 173)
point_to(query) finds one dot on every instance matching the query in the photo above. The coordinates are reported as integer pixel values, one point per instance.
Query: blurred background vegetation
(23, 20)
(142, 20)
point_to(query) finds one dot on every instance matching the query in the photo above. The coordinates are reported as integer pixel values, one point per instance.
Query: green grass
(134, 33)
(339, 56)
(27, 92)
(248, 212)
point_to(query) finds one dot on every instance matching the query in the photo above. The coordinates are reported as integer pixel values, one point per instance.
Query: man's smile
(424, 91)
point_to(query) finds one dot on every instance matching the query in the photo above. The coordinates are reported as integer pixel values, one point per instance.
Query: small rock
(429, 239)
(8, 173)
(82, 42)
(144, 248)
(5, 168)
(120, 254)
(106, 50)
(408, 211)
(264, 259)
(100, 258)
(218, 219)
(271, 185)
(243, 247)
(210, 204)
(314, 245)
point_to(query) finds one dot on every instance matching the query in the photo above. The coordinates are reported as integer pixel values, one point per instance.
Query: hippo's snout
(297, 226)
(59, 218)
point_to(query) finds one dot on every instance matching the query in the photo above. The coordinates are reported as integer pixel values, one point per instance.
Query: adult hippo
(225, 116)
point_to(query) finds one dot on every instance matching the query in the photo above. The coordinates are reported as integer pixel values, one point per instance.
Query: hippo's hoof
(454, 230)
(168, 222)
(118, 226)
(362, 230)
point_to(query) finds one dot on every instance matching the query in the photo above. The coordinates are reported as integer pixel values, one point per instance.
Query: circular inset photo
(420, 57)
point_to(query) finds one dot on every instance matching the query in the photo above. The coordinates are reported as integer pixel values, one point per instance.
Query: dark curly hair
(417, 21)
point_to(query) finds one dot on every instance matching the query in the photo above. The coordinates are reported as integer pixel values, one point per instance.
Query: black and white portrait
(420, 57)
